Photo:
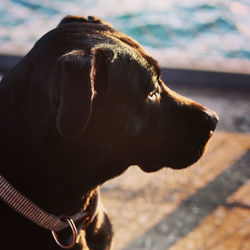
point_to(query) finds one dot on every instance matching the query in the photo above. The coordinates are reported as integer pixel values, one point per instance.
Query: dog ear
(80, 78)
(76, 94)
(102, 57)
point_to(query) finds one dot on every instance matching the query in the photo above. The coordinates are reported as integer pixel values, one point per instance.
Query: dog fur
(81, 107)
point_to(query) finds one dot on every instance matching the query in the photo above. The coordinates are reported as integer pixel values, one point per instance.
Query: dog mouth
(210, 135)
(179, 158)
(180, 161)
(191, 154)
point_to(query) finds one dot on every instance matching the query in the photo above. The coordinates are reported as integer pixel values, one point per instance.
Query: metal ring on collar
(74, 232)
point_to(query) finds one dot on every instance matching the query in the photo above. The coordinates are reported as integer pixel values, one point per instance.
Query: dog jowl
(81, 107)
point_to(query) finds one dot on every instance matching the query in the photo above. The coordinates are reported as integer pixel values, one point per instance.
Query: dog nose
(211, 117)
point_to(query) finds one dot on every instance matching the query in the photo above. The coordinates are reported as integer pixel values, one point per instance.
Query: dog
(81, 107)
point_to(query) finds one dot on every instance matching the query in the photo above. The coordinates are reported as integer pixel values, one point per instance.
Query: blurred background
(203, 47)
(177, 32)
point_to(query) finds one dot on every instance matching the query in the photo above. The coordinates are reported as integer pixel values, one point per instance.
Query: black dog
(81, 107)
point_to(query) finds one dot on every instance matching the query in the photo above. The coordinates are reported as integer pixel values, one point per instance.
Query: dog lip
(211, 133)
(149, 168)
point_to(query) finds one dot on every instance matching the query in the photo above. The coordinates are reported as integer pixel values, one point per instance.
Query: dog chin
(178, 162)
(189, 160)
(149, 168)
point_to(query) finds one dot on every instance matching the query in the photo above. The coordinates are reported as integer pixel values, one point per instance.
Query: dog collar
(22, 205)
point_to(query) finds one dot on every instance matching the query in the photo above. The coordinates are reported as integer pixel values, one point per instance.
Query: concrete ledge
(174, 76)
(202, 78)
(178, 60)
(8, 61)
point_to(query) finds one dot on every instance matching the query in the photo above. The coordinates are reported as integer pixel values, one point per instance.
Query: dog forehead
(133, 44)
(130, 65)
(132, 59)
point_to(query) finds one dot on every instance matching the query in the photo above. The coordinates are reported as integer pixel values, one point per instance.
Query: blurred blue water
(197, 27)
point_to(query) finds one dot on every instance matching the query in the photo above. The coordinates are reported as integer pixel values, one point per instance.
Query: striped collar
(32, 212)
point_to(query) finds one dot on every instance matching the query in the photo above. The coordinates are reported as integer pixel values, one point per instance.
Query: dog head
(112, 101)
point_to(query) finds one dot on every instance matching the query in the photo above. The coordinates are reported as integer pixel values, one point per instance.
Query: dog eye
(153, 95)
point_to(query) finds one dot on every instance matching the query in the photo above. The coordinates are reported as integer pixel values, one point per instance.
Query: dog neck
(22, 205)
